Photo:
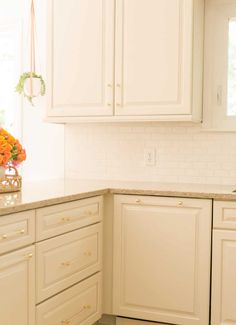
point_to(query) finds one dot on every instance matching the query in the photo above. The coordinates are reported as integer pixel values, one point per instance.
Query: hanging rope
(31, 76)
(32, 48)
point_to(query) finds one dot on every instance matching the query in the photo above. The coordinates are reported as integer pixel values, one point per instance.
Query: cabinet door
(154, 44)
(81, 46)
(162, 259)
(17, 283)
(223, 311)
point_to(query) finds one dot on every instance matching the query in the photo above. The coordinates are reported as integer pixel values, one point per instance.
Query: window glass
(9, 72)
(231, 100)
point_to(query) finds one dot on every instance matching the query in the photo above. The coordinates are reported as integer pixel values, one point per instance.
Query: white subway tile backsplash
(183, 153)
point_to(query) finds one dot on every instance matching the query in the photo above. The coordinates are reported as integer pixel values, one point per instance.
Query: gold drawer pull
(66, 263)
(138, 201)
(68, 321)
(18, 232)
(65, 219)
(28, 256)
(87, 253)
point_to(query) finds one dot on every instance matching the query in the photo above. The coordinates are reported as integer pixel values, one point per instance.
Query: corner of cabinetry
(198, 59)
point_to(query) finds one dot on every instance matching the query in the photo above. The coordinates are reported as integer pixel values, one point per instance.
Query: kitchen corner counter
(40, 194)
(45, 193)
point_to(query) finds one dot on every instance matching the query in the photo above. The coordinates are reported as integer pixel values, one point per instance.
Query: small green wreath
(20, 86)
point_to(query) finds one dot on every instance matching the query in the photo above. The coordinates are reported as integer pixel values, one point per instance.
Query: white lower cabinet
(162, 250)
(78, 305)
(17, 287)
(223, 304)
(224, 278)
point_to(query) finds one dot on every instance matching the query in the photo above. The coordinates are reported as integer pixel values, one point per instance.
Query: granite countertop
(39, 194)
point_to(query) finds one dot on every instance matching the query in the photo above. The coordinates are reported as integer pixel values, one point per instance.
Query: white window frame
(217, 16)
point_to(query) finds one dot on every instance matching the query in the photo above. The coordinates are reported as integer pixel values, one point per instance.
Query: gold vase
(10, 180)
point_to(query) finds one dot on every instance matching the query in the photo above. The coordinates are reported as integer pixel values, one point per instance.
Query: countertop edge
(196, 195)
(52, 201)
(112, 190)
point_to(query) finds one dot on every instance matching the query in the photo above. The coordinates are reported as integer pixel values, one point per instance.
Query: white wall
(184, 154)
(44, 143)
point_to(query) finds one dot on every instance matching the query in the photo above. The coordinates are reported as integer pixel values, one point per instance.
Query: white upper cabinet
(127, 59)
(154, 57)
(80, 57)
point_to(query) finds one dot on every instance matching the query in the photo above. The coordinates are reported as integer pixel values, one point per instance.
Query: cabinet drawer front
(224, 215)
(67, 259)
(17, 230)
(79, 305)
(61, 218)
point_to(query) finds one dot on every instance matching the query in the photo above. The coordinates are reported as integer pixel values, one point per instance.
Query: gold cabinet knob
(180, 203)
(88, 253)
(118, 85)
(118, 104)
(108, 104)
(109, 85)
(4, 236)
(87, 306)
(22, 231)
(138, 201)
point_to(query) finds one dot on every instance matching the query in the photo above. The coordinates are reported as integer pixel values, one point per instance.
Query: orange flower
(11, 151)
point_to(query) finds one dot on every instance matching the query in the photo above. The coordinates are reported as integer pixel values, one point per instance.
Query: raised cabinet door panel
(81, 57)
(154, 45)
(17, 285)
(223, 311)
(162, 259)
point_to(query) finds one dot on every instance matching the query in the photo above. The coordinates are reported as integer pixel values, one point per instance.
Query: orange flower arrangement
(11, 151)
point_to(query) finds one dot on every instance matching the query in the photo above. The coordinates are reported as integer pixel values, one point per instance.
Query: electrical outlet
(150, 156)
